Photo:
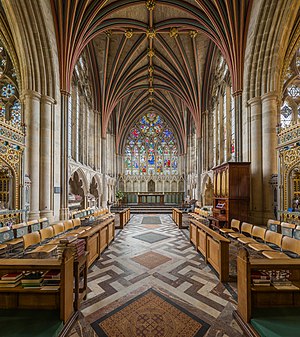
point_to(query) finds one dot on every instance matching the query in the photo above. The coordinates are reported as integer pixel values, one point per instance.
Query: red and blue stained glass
(151, 148)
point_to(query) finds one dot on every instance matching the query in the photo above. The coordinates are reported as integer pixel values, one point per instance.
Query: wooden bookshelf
(252, 298)
(26, 298)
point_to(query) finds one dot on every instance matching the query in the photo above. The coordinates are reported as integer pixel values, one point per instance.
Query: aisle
(152, 253)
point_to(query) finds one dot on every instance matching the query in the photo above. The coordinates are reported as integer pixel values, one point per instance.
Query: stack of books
(76, 245)
(32, 280)
(10, 280)
(51, 280)
(259, 278)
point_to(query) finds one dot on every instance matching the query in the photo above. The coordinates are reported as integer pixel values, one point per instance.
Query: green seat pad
(30, 323)
(277, 322)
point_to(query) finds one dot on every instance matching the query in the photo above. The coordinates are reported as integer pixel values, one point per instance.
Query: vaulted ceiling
(150, 55)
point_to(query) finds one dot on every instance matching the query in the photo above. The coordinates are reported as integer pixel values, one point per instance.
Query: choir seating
(287, 229)
(296, 233)
(246, 230)
(235, 226)
(272, 241)
(257, 236)
(274, 225)
(31, 239)
(290, 247)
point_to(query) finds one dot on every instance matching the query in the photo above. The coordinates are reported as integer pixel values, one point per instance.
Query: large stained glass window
(151, 148)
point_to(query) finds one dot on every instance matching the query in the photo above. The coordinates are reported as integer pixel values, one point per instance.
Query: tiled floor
(165, 261)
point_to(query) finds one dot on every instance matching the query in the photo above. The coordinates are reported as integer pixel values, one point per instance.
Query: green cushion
(30, 323)
(277, 322)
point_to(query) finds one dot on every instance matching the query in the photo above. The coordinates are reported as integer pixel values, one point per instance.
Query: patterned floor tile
(151, 260)
(153, 220)
(128, 268)
(151, 237)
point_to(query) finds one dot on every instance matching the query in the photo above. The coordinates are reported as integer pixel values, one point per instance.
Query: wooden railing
(213, 246)
(124, 217)
(177, 217)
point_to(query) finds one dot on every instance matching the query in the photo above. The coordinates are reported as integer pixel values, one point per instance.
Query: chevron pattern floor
(170, 266)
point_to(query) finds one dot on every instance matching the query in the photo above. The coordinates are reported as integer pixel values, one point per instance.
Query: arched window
(151, 148)
(290, 108)
(10, 106)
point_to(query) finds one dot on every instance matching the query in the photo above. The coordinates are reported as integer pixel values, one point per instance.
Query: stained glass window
(151, 148)
(286, 115)
(10, 106)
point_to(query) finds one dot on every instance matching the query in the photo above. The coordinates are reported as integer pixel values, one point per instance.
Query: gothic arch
(33, 35)
(272, 22)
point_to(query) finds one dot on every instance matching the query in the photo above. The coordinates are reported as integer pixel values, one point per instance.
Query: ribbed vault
(150, 55)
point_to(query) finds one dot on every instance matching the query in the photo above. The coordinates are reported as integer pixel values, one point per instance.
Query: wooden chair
(19, 231)
(287, 229)
(296, 233)
(76, 222)
(33, 225)
(273, 225)
(68, 224)
(290, 247)
(44, 222)
(58, 228)
(258, 236)
(46, 233)
(246, 230)
(235, 226)
(6, 234)
(31, 239)
(272, 241)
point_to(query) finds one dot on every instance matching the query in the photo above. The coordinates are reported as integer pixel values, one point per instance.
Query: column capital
(30, 94)
(254, 100)
(269, 96)
(48, 99)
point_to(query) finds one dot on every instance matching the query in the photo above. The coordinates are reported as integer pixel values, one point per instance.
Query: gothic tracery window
(290, 108)
(151, 148)
(10, 106)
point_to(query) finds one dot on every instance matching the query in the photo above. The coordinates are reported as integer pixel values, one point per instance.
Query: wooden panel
(103, 239)
(93, 248)
(193, 234)
(213, 253)
(38, 301)
(202, 242)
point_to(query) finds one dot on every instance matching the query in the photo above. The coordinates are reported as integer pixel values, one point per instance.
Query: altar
(151, 198)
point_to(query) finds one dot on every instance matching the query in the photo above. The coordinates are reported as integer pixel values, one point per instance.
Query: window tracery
(10, 106)
(151, 148)
(290, 108)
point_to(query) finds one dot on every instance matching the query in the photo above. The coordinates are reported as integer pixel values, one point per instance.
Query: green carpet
(277, 322)
(30, 323)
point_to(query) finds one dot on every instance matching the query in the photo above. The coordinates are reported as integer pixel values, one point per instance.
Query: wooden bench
(177, 217)
(213, 246)
(124, 217)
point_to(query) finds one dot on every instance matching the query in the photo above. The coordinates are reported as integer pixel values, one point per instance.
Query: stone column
(256, 160)
(31, 100)
(269, 143)
(199, 153)
(46, 188)
(64, 167)
(238, 126)
(103, 169)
